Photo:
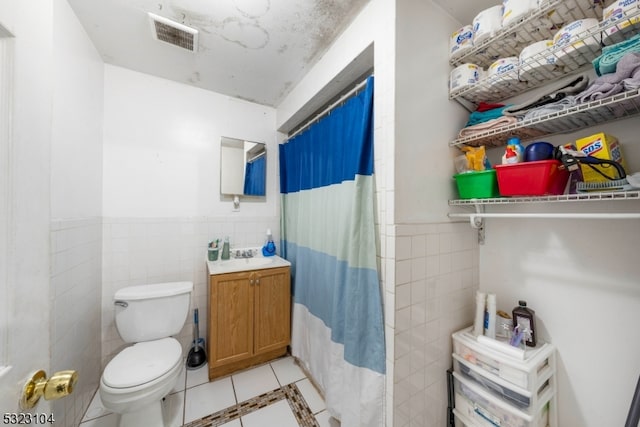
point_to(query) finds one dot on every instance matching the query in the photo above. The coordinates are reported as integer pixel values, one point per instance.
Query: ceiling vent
(174, 33)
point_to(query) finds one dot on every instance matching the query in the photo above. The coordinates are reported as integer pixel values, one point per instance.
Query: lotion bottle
(478, 324)
(490, 321)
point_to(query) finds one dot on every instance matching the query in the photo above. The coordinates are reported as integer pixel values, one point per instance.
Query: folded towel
(486, 106)
(484, 116)
(612, 83)
(553, 93)
(563, 104)
(486, 126)
(606, 63)
(633, 82)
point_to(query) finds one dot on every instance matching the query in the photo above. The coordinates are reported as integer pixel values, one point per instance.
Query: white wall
(434, 281)
(161, 193)
(581, 278)
(76, 211)
(162, 147)
(425, 118)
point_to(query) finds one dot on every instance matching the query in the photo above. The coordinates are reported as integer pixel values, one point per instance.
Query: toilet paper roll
(487, 23)
(461, 41)
(573, 46)
(536, 48)
(616, 12)
(504, 69)
(534, 65)
(503, 73)
(515, 9)
(463, 76)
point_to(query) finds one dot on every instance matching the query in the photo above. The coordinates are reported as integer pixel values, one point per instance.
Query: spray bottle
(269, 248)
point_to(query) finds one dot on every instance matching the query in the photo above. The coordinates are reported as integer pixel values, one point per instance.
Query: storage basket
(539, 178)
(477, 185)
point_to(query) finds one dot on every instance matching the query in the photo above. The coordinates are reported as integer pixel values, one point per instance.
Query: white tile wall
(436, 276)
(76, 286)
(151, 250)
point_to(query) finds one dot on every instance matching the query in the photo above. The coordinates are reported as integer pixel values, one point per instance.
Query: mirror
(243, 167)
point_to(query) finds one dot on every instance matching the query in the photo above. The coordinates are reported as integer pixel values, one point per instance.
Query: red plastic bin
(539, 178)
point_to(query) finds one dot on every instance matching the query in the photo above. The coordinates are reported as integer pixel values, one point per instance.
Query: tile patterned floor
(274, 394)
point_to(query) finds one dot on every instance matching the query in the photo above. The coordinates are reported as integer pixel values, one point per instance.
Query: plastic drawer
(528, 371)
(480, 408)
(517, 396)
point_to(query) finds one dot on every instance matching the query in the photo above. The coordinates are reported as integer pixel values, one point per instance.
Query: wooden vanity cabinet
(249, 318)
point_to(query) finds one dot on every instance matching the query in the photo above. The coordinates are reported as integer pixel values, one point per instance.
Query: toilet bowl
(136, 380)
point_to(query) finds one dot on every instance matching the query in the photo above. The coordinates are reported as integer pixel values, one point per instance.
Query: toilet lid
(142, 362)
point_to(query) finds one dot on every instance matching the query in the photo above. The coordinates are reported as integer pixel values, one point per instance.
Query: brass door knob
(59, 385)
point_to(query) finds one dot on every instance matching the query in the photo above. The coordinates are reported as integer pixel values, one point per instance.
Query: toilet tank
(151, 312)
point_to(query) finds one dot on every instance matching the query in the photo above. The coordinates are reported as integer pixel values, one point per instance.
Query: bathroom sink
(245, 264)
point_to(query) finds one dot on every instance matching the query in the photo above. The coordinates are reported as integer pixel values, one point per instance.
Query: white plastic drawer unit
(475, 406)
(526, 369)
(514, 395)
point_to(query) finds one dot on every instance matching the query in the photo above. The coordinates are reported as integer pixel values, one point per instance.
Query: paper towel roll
(568, 38)
(461, 41)
(616, 12)
(487, 23)
(463, 76)
(533, 64)
(516, 9)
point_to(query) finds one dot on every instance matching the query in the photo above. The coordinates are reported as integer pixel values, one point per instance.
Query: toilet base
(148, 416)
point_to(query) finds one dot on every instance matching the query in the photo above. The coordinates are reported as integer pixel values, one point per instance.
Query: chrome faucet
(244, 254)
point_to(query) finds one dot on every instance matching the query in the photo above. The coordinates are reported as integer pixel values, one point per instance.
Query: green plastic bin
(477, 185)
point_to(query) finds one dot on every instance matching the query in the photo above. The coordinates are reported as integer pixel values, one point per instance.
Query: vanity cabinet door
(249, 319)
(231, 318)
(272, 299)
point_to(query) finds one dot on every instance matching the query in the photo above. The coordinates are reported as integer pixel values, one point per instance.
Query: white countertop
(246, 264)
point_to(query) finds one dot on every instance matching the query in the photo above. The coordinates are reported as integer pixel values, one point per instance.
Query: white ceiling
(256, 50)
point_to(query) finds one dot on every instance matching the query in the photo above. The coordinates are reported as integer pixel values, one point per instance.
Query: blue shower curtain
(328, 234)
(254, 177)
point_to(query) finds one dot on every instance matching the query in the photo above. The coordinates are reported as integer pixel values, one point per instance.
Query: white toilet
(135, 381)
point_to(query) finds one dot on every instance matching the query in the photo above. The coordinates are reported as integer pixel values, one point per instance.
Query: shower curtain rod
(262, 154)
(327, 110)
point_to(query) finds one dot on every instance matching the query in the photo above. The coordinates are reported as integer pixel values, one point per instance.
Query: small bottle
(225, 249)
(524, 318)
(490, 322)
(269, 248)
(478, 324)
